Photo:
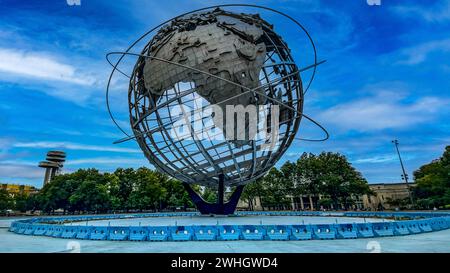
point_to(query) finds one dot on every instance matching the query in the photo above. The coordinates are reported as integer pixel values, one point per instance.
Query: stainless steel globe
(215, 58)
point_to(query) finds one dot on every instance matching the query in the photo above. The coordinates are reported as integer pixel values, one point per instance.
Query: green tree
(124, 187)
(290, 177)
(176, 195)
(5, 201)
(209, 194)
(433, 183)
(55, 195)
(90, 196)
(275, 190)
(149, 192)
(327, 175)
(307, 173)
(339, 180)
(21, 202)
(33, 202)
(251, 192)
(113, 188)
(83, 190)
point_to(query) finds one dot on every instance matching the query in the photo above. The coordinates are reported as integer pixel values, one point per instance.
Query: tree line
(329, 175)
(88, 190)
(328, 180)
(432, 189)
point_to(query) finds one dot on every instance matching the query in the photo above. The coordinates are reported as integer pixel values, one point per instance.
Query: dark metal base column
(220, 207)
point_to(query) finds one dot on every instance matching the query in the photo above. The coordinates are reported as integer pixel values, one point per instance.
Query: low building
(15, 189)
(386, 195)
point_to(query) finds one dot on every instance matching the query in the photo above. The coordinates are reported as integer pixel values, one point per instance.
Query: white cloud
(385, 110)
(437, 13)
(376, 159)
(42, 66)
(73, 146)
(382, 158)
(293, 154)
(418, 54)
(20, 171)
(108, 161)
(97, 133)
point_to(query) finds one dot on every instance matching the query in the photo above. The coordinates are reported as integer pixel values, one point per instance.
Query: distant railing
(403, 223)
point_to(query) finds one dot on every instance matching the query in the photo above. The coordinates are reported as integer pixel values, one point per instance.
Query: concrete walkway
(426, 242)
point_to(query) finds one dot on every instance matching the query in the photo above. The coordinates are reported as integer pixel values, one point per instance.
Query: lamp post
(404, 175)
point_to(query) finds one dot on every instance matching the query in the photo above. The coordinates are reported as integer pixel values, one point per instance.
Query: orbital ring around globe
(194, 69)
(244, 87)
(126, 52)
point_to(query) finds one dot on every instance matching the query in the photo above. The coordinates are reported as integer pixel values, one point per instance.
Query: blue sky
(387, 76)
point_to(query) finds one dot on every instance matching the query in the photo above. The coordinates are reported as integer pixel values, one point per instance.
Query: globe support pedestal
(220, 207)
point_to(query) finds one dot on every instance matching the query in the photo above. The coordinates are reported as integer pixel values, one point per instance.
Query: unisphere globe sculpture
(215, 99)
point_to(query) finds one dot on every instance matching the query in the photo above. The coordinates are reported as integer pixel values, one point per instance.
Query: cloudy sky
(387, 76)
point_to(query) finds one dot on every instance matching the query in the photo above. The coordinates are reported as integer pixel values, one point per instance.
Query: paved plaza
(426, 242)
